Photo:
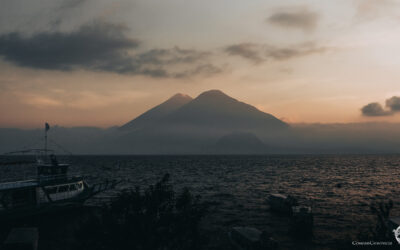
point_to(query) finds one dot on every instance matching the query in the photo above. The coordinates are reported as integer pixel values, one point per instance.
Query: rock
(281, 203)
(250, 238)
(246, 237)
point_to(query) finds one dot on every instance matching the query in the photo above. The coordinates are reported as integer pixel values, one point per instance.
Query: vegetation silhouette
(379, 229)
(157, 218)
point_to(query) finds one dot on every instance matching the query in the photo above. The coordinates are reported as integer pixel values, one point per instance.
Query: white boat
(50, 189)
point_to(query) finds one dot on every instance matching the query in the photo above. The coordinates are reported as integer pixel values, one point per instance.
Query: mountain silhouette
(211, 110)
(153, 115)
(214, 109)
(185, 125)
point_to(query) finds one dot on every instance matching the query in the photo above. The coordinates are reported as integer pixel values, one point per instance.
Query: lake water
(340, 188)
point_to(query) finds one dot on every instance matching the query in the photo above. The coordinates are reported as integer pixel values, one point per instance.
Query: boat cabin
(51, 184)
(48, 171)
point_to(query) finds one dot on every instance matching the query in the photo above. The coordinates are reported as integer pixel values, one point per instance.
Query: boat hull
(28, 201)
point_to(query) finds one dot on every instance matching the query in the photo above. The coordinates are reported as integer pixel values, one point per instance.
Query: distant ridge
(158, 112)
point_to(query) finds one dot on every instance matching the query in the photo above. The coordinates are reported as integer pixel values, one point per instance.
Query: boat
(52, 188)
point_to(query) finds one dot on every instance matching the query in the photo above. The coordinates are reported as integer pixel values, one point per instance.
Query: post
(45, 143)
(46, 128)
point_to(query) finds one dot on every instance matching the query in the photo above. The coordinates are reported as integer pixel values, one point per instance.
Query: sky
(102, 63)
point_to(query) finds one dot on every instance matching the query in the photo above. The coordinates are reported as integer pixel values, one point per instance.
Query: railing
(56, 177)
(22, 177)
(17, 184)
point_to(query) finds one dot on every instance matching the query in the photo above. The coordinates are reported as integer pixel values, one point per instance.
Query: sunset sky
(102, 63)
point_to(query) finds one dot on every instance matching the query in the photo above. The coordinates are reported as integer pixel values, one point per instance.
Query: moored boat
(52, 188)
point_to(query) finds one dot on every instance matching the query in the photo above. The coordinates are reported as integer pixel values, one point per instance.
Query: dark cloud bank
(376, 109)
(101, 46)
(92, 46)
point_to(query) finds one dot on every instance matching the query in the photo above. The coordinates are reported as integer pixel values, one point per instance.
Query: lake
(340, 188)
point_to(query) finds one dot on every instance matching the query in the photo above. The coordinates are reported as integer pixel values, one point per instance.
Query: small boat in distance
(52, 188)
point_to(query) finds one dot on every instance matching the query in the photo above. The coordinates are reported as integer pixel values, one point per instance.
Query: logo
(397, 234)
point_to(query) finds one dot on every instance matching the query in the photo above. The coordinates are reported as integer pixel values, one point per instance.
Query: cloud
(168, 56)
(258, 53)
(393, 103)
(91, 46)
(189, 62)
(100, 46)
(374, 109)
(246, 50)
(295, 51)
(295, 19)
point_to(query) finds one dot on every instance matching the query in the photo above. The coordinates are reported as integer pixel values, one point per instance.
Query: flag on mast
(47, 126)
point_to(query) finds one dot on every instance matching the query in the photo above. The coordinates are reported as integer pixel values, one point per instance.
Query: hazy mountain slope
(197, 125)
(153, 115)
(215, 110)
